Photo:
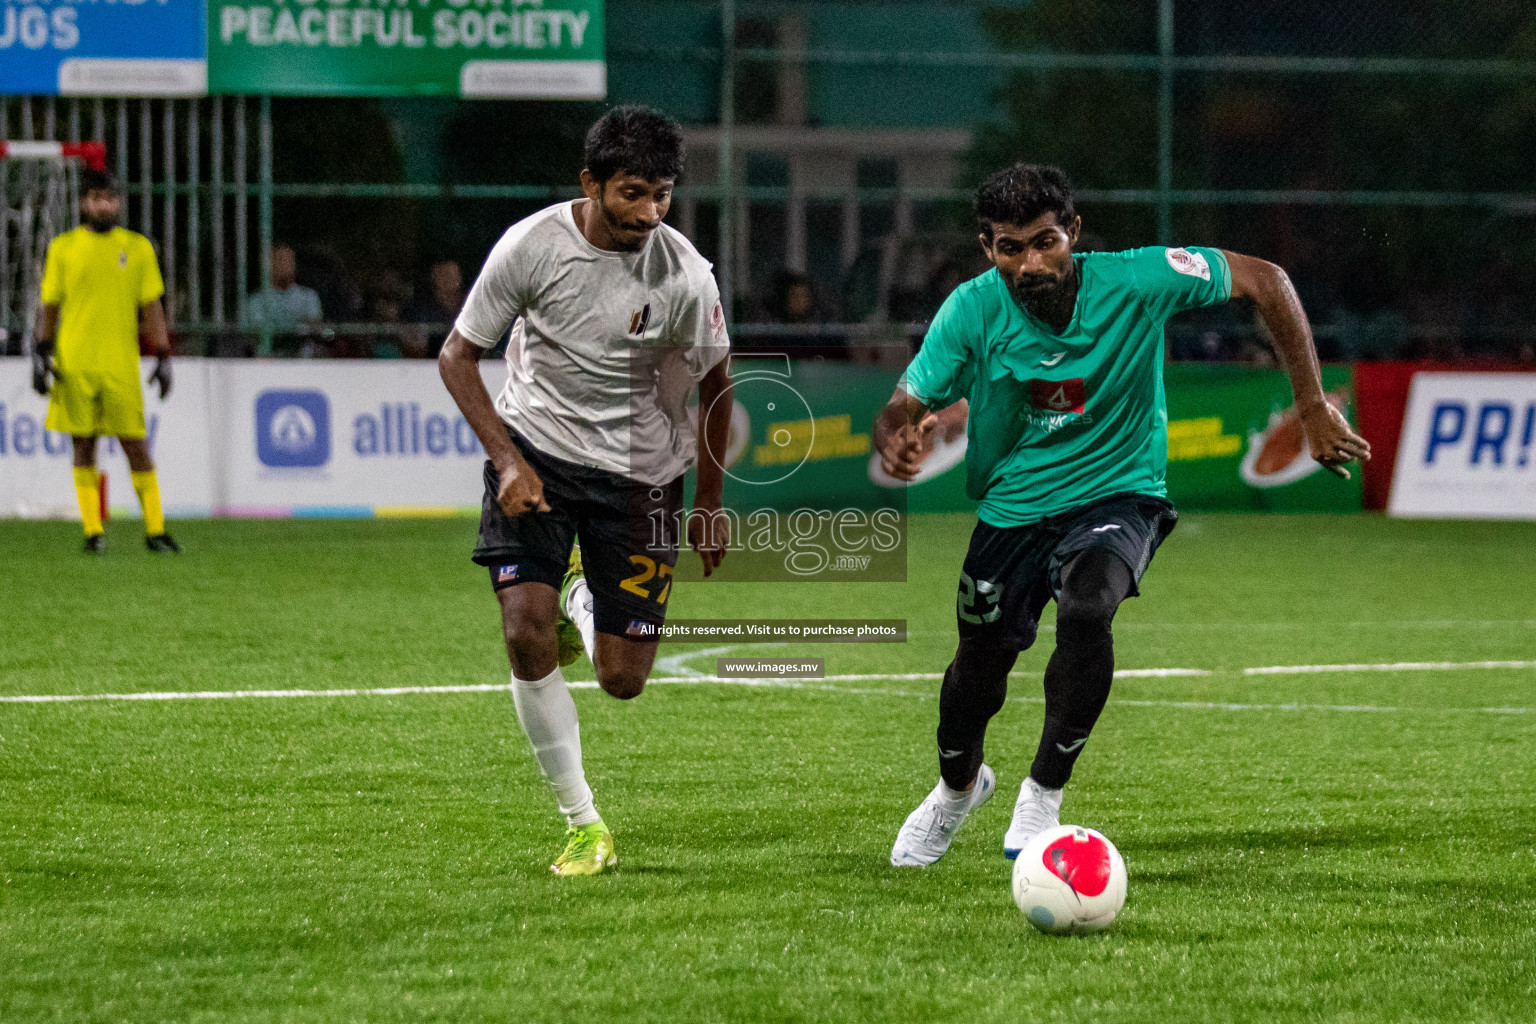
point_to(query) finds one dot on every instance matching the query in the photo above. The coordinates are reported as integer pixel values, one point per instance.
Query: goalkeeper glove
(42, 368)
(161, 375)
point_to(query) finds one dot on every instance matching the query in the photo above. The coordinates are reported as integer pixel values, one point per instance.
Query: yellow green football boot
(588, 851)
(567, 634)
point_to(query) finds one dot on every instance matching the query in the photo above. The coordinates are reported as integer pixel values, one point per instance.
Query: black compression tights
(1077, 678)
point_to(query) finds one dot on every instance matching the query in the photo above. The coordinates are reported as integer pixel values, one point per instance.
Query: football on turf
(1069, 880)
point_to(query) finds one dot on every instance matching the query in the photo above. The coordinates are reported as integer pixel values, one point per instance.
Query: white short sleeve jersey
(605, 346)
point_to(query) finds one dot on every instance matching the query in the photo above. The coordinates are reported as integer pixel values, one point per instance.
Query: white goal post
(39, 198)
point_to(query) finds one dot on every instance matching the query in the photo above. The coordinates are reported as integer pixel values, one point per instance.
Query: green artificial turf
(1302, 847)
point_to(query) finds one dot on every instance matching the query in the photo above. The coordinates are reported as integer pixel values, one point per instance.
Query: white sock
(955, 798)
(548, 716)
(578, 605)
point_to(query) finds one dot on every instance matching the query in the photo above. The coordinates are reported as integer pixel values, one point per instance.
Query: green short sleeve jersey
(1061, 420)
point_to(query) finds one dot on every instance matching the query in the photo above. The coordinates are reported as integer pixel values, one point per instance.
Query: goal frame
(47, 204)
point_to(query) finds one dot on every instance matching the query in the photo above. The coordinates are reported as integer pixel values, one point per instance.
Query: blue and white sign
(35, 478)
(293, 429)
(1468, 448)
(104, 47)
(342, 438)
(253, 437)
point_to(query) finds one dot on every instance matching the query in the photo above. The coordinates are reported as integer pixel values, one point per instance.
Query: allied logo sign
(293, 429)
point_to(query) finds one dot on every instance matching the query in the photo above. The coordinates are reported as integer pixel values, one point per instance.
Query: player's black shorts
(628, 532)
(1011, 572)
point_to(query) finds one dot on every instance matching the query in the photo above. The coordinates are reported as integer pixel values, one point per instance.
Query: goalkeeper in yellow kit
(100, 283)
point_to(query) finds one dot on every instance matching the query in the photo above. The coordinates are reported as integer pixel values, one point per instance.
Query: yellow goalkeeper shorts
(84, 404)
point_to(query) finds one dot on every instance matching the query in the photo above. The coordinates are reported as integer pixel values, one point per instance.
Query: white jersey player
(614, 318)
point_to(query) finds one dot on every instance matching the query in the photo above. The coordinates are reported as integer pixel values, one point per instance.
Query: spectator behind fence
(387, 301)
(289, 307)
(794, 302)
(439, 307)
(794, 298)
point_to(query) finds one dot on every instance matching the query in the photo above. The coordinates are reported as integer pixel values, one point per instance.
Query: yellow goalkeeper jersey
(99, 280)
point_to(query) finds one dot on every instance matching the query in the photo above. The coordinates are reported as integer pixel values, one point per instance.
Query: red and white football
(1069, 880)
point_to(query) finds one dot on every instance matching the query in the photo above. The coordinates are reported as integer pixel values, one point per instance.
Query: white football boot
(927, 832)
(1037, 809)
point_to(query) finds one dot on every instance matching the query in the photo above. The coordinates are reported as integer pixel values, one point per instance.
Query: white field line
(1237, 626)
(1395, 666)
(700, 679)
(394, 691)
(1361, 624)
(388, 691)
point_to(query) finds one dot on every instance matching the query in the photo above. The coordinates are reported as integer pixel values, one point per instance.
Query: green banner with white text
(508, 49)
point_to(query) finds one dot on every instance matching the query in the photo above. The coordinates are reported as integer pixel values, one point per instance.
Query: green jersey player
(1061, 358)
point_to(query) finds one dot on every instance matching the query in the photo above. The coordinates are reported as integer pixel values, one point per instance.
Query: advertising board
(264, 438)
(1468, 448)
(35, 479)
(345, 439)
(1235, 441)
(127, 48)
(507, 49)
(359, 438)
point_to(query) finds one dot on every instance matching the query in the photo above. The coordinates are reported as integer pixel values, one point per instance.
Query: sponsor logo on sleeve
(717, 323)
(1191, 263)
(506, 573)
(642, 630)
(293, 429)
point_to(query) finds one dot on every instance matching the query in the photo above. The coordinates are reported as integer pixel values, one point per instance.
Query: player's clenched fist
(907, 446)
(520, 490)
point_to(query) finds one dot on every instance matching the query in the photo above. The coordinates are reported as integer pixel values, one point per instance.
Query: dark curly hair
(635, 139)
(1019, 194)
(93, 180)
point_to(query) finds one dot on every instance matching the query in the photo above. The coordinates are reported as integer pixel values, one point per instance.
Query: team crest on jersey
(1058, 396)
(506, 573)
(1191, 263)
(640, 320)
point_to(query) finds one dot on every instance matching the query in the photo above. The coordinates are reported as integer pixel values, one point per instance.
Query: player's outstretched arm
(459, 364)
(710, 534)
(1332, 441)
(904, 435)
